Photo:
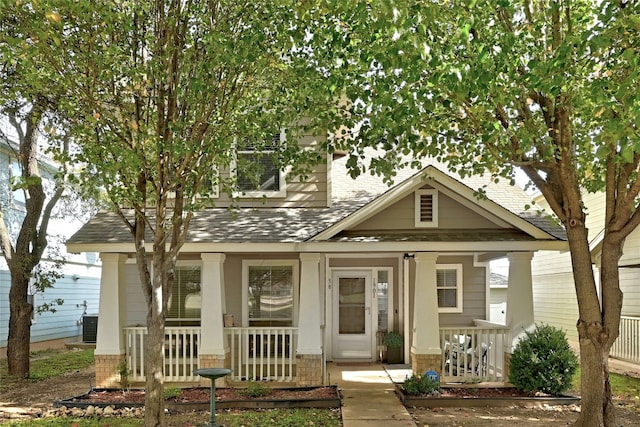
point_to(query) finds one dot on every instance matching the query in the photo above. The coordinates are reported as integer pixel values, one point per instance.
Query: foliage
(393, 340)
(417, 385)
(543, 361)
(49, 364)
(171, 392)
(255, 389)
(123, 374)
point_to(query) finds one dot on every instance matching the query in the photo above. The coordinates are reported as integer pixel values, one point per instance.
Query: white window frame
(434, 196)
(246, 263)
(19, 196)
(459, 287)
(282, 190)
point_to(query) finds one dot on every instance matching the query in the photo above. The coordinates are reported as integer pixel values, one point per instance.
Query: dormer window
(426, 208)
(258, 172)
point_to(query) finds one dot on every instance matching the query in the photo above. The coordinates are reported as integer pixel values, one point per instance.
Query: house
(312, 271)
(79, 286)
(555, 301)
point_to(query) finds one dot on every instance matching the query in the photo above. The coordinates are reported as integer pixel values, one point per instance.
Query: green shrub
(393, 340)
(255, 389)
(417, 385)
(171, 392)
(543, 361)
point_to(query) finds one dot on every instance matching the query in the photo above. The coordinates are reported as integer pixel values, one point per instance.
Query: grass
(622, 386)
(48, 364)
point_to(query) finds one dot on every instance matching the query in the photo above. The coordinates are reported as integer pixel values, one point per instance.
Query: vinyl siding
(66, 321)
(401, 216)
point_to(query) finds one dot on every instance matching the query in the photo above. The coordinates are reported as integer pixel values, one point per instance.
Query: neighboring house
(80, 286)
(315, 271)
(554, 291)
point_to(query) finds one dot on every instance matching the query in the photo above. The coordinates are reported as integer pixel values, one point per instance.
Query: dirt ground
(34, 398)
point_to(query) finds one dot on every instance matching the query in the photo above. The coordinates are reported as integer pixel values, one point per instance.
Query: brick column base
(214, 361)
(421, 363)
(107, 375)
(309, 370)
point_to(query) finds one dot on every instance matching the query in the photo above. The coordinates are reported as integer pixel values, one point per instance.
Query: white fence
(474, 353)
(180, 352)
(263, 354)
(627, 346)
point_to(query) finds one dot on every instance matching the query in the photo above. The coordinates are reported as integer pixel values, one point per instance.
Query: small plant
(417, 385)
(255, 389)
(171, 392)
(543, 361)
(393, 340)
(123, 374)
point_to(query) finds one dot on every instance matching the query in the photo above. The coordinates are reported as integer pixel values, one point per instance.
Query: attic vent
(426, 212)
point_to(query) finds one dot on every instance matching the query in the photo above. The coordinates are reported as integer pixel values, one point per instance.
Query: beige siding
(401, 216)
(555, 302)
(136, 304)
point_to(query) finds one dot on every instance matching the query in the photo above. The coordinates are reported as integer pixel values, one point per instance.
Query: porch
(471, 354)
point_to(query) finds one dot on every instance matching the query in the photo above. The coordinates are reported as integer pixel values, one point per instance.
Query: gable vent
(426, 208)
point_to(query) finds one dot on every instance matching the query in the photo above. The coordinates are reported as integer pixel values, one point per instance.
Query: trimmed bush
(543, 361)
(417, 385)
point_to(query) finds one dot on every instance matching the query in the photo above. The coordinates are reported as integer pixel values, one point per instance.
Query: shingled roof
(280, 225)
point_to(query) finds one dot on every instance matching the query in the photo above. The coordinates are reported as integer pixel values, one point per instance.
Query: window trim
(459, 288)
(246, 263)
(434, 195)
(280, 193)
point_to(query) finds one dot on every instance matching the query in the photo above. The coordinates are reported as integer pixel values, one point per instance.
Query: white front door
(352, 318)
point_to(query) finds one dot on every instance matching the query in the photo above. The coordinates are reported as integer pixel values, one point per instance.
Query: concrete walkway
(368, 397)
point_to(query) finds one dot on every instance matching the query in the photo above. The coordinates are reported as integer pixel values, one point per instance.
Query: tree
(549, 87)
(28, 106)
(160, 95)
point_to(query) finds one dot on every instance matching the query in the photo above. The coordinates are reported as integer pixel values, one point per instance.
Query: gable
(402, 216)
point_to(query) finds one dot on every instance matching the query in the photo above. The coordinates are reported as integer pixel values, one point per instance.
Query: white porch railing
(474, 353)
(180, 352)
(262, 354)
(627, 346)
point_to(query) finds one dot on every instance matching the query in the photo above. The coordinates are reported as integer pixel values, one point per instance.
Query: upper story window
(269, 288)
(449, 288)
(426, 208)
(258, 172)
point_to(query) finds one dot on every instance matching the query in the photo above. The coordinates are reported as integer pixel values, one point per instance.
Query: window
(270, 291)
(185, 300)
(449, 288)
(426, 208)
(257, 169)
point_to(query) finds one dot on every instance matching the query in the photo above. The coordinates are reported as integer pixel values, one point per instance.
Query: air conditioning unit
(89, 328)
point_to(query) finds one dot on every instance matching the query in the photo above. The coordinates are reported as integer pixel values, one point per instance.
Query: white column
(520, 315)
(309, 333)
(426, 322)
(213, 305)
(113, 305)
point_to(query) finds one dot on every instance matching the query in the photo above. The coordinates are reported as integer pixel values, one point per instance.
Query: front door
(352, 317)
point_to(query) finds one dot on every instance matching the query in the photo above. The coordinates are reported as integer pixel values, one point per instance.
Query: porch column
(425, 349)
(110, 348)
(213, 347)
(519, 315)
(309, 349)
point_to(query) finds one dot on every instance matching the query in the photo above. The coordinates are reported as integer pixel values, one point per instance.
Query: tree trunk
(154, 357)
(594, 332)
(18, 343)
